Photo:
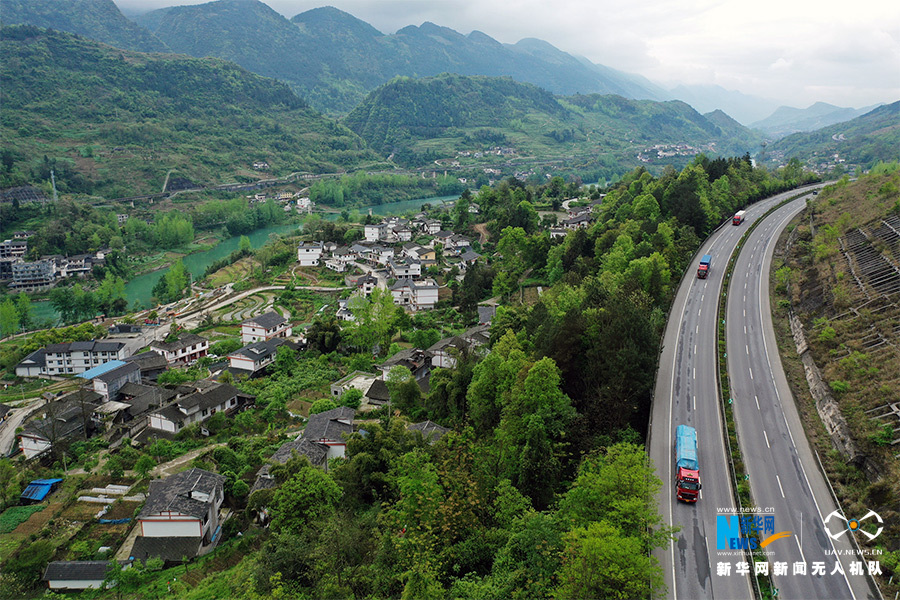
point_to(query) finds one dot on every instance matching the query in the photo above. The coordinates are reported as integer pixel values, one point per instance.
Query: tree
(406, 395)
(244, 245)
(352, 398)
(9, 318)
(306, 497)
(375, 320)
(324, 335)
(321, 405)
(144, 465)
(598, 562)
(23, 305)
(9, 483)
(512, 249)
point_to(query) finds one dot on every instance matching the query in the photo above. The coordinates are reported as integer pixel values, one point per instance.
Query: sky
(795, 52)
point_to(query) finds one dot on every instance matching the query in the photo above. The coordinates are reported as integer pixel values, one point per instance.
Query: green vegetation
(14, 515)
(420, 120)
(861, 376)
(114, 123)
(860, 143)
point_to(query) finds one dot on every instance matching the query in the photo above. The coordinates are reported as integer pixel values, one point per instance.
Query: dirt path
(483, 235)
(174, 465)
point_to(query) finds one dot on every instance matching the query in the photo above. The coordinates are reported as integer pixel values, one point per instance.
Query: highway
(785, 477)
(687, 393)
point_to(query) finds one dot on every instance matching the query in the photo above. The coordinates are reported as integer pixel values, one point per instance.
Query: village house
(404, 268)
(265, 327)
(358, 380)
(185, 350)
(580, 221)
(59, 420)
(331, 428)
(309, 254)
(366, 284)
(252, 358)
(197, 407)
(67, 575)
(184, 509)
(444, 352)
(415, 295)
(343, 312)
(69, 358)
(431, 431)
(108, 378)
(376, 232)
(417, 361)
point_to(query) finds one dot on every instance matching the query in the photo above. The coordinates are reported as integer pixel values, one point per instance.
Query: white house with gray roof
(331, 428)
(256, 356)
(184, 505)
(196, 408)
(309, 254)
(265, 327)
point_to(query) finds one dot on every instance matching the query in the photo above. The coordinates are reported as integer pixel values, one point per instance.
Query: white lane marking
(695, 349)
(779, 485)
(695, 402)
(695, 372)
(748, 349)
(745, 330)
(751, 372)
(697, 329)
(757, 402)
(766, 435)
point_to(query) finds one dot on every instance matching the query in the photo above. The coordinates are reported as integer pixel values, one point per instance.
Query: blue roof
(38, 489)
(101, 369)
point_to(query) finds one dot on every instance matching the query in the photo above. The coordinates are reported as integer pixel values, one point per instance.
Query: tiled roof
(329, 425)
(169, 549)
(78, 570)
(430, 430)
(173, 493)
(269, 320)
(184, 340)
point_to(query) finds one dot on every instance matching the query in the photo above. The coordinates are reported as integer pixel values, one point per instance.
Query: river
(140, 289)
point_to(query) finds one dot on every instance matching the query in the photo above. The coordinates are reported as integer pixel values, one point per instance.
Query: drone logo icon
(853, 525)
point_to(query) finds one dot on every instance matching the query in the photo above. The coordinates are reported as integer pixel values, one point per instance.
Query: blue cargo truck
(703, 269)
(687, 468)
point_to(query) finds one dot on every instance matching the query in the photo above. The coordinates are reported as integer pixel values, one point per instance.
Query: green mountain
(860, 142)
(333, 59)
(787, 120)
(450, 115)
(115, 122)
(99, 20)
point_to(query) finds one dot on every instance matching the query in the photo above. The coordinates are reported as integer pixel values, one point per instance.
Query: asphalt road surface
(785, 476)
(687, 393)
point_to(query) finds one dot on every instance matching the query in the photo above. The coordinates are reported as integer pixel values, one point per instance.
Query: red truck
(703, 269)
(738, 217)
(687, 468)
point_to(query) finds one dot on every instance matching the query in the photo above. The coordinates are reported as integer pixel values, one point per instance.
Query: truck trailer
(703, 269)
(687, 468)
(738, 217)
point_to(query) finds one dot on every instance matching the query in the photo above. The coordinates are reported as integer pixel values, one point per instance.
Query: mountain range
(872, 137)
(114, 122)
(332, 59)
(786, 120)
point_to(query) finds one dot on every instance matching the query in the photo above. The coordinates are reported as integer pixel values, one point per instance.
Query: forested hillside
(112, 122)
(861, 142)
(333, 59)
(435, 117)
(98, 20)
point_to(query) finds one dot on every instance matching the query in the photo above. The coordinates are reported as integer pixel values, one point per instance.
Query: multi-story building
(265, 327)
(77, 357)
(185, 350)
(32, 276)
(309, 253)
